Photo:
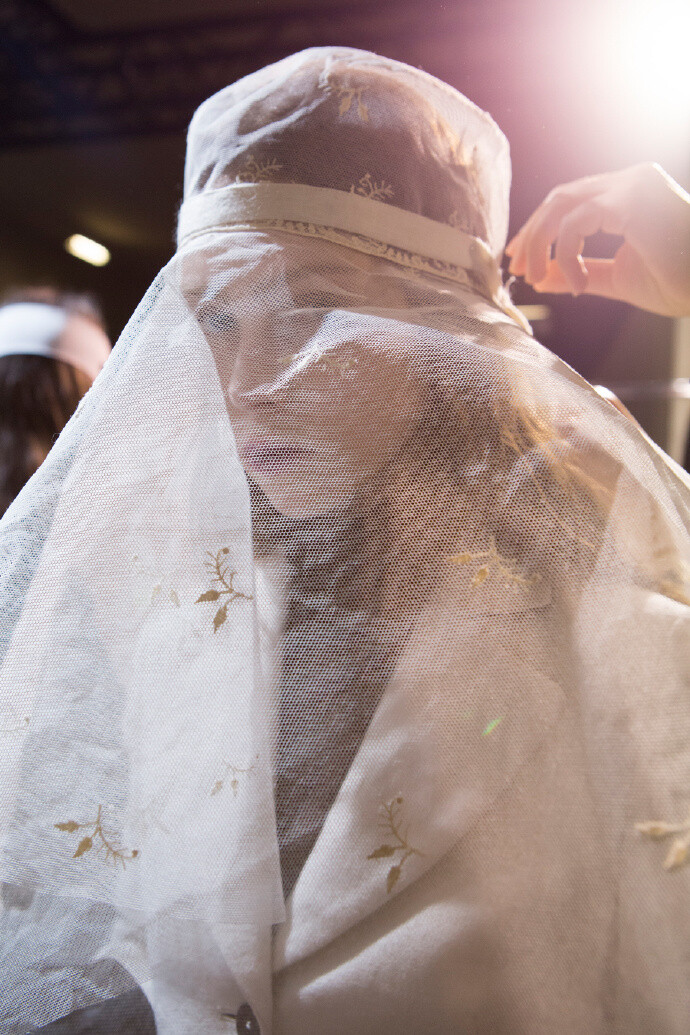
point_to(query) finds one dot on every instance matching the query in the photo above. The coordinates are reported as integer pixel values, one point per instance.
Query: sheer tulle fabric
(333, 559)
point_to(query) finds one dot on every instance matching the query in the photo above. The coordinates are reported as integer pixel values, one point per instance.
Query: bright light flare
(87, 250)
(648, 45)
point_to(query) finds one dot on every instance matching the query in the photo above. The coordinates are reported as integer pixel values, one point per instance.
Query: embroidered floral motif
(368, 188)
(445, 134)
(390, 820)
(234, 783)
(219, 571)
(679, 852)
(99, 838)
(22, 726)
(258, 172)
(347, 95)
(504, 568)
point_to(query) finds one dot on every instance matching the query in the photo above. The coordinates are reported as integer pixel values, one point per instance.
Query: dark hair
(38, 395)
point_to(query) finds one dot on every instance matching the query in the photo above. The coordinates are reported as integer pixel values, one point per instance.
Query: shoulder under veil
(331, 549)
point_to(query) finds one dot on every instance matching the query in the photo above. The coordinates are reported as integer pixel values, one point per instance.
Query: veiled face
(314, 367)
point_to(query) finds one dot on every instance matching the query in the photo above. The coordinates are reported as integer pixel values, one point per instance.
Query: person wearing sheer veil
(344, 629)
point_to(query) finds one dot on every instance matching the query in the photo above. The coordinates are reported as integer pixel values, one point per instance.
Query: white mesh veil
(343, 610)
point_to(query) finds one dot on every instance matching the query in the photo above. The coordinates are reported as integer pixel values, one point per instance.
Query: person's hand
(642, 204)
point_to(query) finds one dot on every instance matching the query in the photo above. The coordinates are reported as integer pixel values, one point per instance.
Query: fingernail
(581, 277)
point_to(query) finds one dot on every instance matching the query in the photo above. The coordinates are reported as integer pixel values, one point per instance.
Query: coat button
(245, 1022)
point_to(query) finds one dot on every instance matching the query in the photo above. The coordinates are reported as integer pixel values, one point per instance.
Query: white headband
(37, 329)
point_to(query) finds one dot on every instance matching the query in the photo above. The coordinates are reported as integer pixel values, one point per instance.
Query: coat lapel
(463, 712)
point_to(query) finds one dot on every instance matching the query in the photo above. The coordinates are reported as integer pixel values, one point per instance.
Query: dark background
(95, 96)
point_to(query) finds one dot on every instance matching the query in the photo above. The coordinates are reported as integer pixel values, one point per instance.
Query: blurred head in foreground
(52, 346)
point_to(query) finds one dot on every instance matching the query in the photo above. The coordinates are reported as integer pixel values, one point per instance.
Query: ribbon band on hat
(356, 222)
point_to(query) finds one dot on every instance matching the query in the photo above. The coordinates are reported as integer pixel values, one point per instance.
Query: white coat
(480, 870)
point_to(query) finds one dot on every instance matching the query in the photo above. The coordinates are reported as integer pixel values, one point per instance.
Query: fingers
(567, 216)
(530, 249)
(553, 282)
(642, 205)
(536, 249)
(567, 229)
(532, 242)
(599, 279)
(582, 222)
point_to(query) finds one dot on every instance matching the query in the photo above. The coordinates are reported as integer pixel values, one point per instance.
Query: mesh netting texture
(344, 631)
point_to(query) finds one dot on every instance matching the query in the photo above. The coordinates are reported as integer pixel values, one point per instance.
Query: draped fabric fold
(344, 630)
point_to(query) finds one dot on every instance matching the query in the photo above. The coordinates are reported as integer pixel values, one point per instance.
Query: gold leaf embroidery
(382, 853)
(234, 771)
(347, 95)
(444, 133)
(69, 827)
(85, 845)
(392, 878)
(390, 821)
(480, 576)
(219, 617)
(368, 188)
(258, 172)
(219, 572)
(505, 568)
(679, 852)
(107, 842)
